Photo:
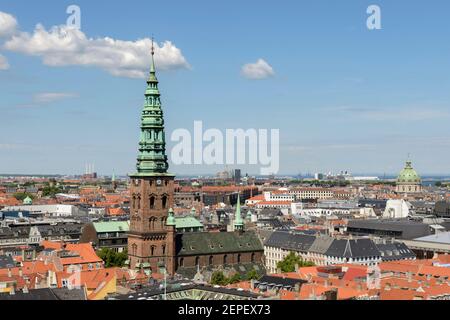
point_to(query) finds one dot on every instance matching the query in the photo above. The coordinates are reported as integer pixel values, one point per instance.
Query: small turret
(171, 219)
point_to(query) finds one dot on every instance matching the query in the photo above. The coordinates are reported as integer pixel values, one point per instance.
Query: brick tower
(151, 239)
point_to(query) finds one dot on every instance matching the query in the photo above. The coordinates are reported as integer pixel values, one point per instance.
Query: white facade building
(397, 209)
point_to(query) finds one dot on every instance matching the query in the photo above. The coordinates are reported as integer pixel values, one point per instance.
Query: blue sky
(343, 97)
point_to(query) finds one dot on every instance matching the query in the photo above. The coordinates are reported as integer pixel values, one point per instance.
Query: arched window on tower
(197, 261)
(134, 249)
(134, 202)
(163, 249)
(152, 250)
(164, 202)
(211, 260)
(152, 202)
(253, 257)
(138, 200)
(152, 222)
(239, 258)
(225, 259)
(182, 262)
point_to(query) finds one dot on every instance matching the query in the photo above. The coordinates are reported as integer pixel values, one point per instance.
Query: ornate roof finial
(153, 46)
(153, 69)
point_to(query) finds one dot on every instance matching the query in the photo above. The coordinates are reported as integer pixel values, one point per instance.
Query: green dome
(408, 175)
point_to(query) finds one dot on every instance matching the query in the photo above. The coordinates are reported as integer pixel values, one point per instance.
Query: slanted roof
(353, 248)
(205, 243)
(290, 241)
(46, 294)
(112, 226)
(441, 237)
(187, 222)
(321, 244)
(6, 262)
(395, 251)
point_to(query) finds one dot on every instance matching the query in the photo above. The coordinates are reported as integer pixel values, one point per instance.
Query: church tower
(151, 240)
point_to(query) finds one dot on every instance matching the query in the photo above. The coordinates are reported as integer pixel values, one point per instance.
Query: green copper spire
(238, 222)
(152, 158)
(171, 219)
(193, 212)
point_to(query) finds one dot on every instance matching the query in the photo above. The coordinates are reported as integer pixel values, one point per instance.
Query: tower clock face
(158, 182)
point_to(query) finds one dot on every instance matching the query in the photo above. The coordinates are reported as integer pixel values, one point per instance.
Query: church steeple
(151, 238)
(238, 222)
(152, 159)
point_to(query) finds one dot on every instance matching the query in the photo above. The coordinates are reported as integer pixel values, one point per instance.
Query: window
(197, 261)
(211, 260)
(253, 257)
(164, 202)
(163, 249)
(152, 251)
(152, 202)
(225, 259)
(182, 262)
(239, 258)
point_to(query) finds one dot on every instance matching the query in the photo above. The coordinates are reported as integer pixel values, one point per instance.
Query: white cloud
(8, 24)
(4, 65)
(257, 71)
(49, 97)
(67, 46)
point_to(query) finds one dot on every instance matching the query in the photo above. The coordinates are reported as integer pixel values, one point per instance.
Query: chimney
(23, 255)
(252, 284)
(297, 267)
(20, 272)
(9, 273)
(25, 289)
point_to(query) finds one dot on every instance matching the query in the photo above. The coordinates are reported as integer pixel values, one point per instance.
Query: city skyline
(343, 97)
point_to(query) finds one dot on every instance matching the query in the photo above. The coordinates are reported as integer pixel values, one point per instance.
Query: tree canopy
(291, 260)
(112, 258)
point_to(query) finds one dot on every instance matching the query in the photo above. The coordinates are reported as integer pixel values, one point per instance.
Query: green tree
(235, 278)
(438, 184)
(22, 195)
(252, 275)
(112, 258)
(218, 278)
(51, 190)
(289, 263)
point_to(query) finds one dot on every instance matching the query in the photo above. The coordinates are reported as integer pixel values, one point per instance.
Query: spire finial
(153, 45)
(153, 70)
